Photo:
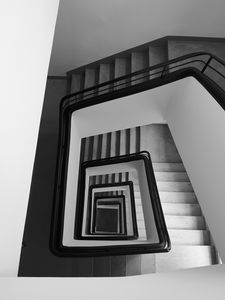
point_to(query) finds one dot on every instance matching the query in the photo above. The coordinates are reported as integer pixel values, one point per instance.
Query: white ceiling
(88, 30)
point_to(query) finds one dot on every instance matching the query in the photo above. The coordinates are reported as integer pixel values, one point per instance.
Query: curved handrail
(196, 64)
(203, 62)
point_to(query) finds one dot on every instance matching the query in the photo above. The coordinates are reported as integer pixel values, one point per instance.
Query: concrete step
(139, 61)
(122, 67)
(172, 176)
(134, 143)
(177, 197)
(182, 257)
(173, 186)
(181, 209)
(137, 193)
(104, 146)
(189, 237)
(141, 232)
(91, 78)
(77, 83)
(139, 208)
(104, 75)
(157, 55)
(113, 144)
(140, 217)
(168, 167)
(185, 222)
(123, 137)
(136, 190)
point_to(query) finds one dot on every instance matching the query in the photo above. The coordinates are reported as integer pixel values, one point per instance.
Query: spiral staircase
(191, 242)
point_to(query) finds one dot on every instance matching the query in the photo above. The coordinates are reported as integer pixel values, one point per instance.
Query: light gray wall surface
(197, 124)
(202, 283)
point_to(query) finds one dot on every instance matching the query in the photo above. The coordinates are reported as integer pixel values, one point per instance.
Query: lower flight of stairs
(190, 237)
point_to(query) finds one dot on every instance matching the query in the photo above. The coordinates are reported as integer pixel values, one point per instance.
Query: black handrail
(150, 77)
(201, 60)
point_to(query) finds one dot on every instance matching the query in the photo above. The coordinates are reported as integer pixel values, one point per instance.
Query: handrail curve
(204, 64)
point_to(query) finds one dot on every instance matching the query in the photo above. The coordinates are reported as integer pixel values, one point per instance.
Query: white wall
(26, 33)
(202, 283)
(197, 124)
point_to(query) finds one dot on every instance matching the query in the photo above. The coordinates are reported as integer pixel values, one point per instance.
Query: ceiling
(88, 30)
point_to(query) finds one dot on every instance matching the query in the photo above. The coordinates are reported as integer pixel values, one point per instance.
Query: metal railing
(203, 63)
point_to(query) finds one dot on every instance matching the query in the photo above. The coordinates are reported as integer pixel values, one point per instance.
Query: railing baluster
(206, 65)
(163, 71)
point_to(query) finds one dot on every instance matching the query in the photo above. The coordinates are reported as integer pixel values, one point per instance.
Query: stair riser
(174, 186)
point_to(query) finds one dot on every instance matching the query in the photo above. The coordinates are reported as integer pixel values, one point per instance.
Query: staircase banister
(148, 69)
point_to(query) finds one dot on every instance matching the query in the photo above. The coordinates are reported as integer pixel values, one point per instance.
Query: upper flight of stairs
(141, 57)
(118, 65)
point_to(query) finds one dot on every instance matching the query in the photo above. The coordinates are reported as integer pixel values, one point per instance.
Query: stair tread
(168, 167)
(177, 197)
(185, 222)
(174, 186)
(189, 237)
(171, 176)
(181, 209)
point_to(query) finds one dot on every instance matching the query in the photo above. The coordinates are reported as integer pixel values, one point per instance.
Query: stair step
(137, 193)
(136, 189)
(172, 176)
(122, 67)
(113, 144)
(141, 232)
(77, 83)
(168, 167)
(177, 197)
(189, 237)
(157, 55)
(181, 209)
(173, 186)
(185, 222)
(181, 257)
(91, 78)
(104, 75)
(139, 216)
(139, 61)
(123, 138)
(138, 208)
